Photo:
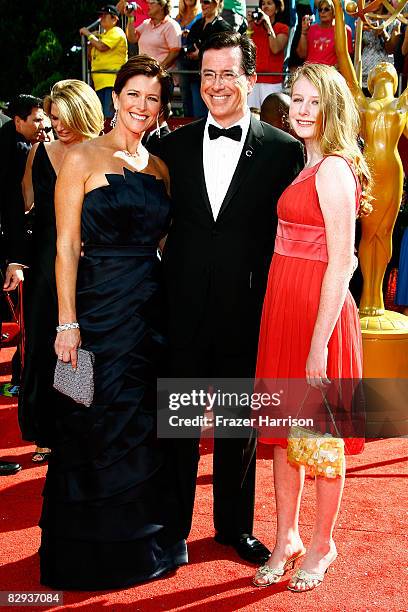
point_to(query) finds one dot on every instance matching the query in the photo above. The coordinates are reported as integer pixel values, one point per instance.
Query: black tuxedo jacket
(14, 149)
(219, 269)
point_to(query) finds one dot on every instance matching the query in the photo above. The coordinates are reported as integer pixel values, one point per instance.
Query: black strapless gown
(37, 398)
(105, 499)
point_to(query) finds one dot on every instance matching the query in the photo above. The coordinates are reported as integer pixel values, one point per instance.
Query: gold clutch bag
(320, 454)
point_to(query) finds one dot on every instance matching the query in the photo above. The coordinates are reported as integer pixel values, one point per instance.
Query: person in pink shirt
(159, 36)
(316, 43)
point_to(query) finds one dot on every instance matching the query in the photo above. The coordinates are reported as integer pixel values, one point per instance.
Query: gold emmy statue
(384, 118)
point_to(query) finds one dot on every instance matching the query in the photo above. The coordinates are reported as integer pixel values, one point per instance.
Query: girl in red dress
(310, 326)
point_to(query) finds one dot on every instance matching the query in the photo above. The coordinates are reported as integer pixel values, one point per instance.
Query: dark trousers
(234, 459)
(105, 97)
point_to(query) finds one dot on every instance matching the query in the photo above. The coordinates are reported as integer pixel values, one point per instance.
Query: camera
(256, 15)
(188, 48)
(131, 6)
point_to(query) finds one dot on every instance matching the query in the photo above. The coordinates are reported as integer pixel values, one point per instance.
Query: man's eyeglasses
(227, 76)
(324, 9)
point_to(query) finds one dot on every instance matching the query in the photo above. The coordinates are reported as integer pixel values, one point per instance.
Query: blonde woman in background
(76, 116)
(189, 13)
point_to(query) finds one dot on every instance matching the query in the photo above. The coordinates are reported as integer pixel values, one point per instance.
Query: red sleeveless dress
(293, 293)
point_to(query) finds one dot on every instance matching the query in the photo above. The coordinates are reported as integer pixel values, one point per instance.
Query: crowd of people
(235, 266)
(285, 36)
(108, 474)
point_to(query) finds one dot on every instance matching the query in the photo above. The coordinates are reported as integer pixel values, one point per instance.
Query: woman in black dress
(76, 116)
(103, 521)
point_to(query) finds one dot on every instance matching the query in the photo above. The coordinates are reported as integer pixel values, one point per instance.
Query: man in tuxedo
(16, 139)
(227, 173)
(150, 139)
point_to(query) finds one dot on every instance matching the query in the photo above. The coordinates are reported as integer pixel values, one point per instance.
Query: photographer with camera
(108, 53)
(158, 36)
(270, 37)
(316, 43)
(136, 11)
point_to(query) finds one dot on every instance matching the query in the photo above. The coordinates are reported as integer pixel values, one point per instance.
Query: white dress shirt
(220, 159)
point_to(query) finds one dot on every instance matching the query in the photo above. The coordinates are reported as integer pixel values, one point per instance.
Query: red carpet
(371, 572)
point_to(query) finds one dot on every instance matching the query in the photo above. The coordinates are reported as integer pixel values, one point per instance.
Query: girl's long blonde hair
(339, 125)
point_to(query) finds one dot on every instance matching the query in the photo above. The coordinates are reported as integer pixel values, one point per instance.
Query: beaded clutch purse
(320, 454)
(77, 384)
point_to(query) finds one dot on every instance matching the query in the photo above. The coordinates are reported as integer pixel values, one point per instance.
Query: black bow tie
(234, 132)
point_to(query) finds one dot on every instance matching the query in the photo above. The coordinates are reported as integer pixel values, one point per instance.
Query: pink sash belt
(304, 241)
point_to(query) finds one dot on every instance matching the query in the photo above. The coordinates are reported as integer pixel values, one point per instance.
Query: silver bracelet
(65, 326)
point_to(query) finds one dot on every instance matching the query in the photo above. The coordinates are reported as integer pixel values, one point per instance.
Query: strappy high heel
(266, 575)
(312, 581)
(41, 456)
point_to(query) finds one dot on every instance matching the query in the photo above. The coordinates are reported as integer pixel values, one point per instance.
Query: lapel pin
(248, 152)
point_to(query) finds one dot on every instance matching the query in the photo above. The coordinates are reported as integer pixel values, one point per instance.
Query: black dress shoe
(247, 546)
(177, 554)
(7, 468)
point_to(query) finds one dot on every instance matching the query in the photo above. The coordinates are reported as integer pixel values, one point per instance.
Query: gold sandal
(40, 455)
(311, 580)
(272, 575)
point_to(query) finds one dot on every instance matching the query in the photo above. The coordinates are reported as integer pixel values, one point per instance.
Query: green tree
(43, 62)
(20, 26)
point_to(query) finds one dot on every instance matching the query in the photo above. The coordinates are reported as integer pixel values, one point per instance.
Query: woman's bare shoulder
(335, 180)
(333, 167)
(88, 153)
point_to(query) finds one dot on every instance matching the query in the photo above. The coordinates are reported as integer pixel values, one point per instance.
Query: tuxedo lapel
(196, 163)
(251, 146)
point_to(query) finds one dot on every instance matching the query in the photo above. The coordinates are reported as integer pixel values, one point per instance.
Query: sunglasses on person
(47, 129)
(324, 9)
(208, 2)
